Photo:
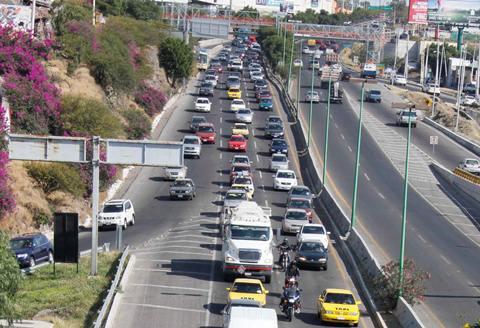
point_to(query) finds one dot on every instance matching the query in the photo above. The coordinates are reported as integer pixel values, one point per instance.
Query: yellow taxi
(338, 305)
(234, 93)
(242, 187)
(248, 289)
(245, 182)
(241, 129)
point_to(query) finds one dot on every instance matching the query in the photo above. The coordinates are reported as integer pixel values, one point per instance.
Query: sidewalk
(27, 324)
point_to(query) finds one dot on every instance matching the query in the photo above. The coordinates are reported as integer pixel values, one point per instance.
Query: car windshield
(237, 138)
(205, 128)
(249, 288)
(198, 120)
(243, 181)
(241, 160)
(244, 111)
(317, 230)
(210, 77)
(300, 192)
(206, 85)
(182, 183)
(240, 126)
(286, 175)
(113, 208)
(232, 195)
(234, 90)
(296, 215)
(277, 158)
(20, 243)
(279, 143)
(250, 233)
(314, 93)
(299, 203)
(412, 114)
(238, 102)
(202, 101)
(275, 126)
(311, 247)
(337, 298)
(233, 80)
(471, 162)
(266, 100)
(274, 120)
(375, 92)
(191, 141)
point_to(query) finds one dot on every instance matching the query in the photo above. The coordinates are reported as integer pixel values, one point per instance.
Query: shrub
(69, 11)
(111, 65)
(10, 277)
(56, 176)
(138, 124)
(86, 116)
(7, 202)
(41, 218)
(151, 99)
(78, 41)
(143, 9)
(141, 32)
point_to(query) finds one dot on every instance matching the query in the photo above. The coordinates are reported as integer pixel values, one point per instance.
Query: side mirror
(266, 292)
(273, 175)
(223, 312)
(228, 289)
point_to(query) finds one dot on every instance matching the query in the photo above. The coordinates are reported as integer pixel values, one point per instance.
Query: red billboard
(417, 12)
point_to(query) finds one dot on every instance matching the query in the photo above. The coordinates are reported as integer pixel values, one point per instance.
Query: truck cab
(369, 71)
(247, 242)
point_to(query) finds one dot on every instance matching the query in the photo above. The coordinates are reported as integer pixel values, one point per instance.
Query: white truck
(328, 72)
(369, 71)
(241, 317)
(247, 241)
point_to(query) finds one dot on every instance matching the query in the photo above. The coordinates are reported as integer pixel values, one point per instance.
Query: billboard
(18, 16)
(454, 11)
(270, 3)
(287, 7)
(314, 3)
(417, 12)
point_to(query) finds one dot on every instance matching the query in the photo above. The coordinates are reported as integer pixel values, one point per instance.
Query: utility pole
(327, 126)
(406, 57)
(427, 51)
(396, 53)
(93, 12)
(436, 80)
(460, 84)
(95, 195)
(32, 17)
(477, 85)
(405, 203)
(284, 44)
(291, 59)
(311, 109)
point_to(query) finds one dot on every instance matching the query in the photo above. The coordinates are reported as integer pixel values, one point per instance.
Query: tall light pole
(311, 108)
(463, 57)
(353, 215)
(284, 44)
(93, 12)
(32, 17)
(327, 126)
(405, 202)
(436, 80)
(291, 59)
(299, 79)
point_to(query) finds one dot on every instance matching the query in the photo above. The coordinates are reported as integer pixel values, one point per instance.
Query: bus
(202, 60)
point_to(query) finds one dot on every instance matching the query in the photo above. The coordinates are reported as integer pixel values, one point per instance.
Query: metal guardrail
(467, 175)
(111, 292)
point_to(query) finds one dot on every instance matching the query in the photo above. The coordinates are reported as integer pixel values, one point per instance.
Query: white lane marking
(342, 136)
(255, 144)
(336, 125)
(381, 195)
(221, 131)
(221, 101)
(172, 252)
(421, 238)
(253, 131)
(171, 287)
(221, 119)
(193, 273)
(191, 236)
(164, 307)
(221, 143)
(221, 155)
(445, 259)
(173, 246)
(350, 149)
(211, 275)
(366, 176)
(261, 176)
(258, 158)
(263, 188)
(181, 231)
(266, 203)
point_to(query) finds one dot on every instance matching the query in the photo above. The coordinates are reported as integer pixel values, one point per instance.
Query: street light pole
(291, 60)
(311, 109)
(284, 45)
(299, 79)
(327, 126)
(436, 80)
(357, 161)
(405, 202)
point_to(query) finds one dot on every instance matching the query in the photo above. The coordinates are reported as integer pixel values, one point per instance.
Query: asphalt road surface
(453, 293)
(177, 278)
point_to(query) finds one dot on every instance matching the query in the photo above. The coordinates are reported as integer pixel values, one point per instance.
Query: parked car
(403, 117)
(312, 254)
(312, 96)
(173, 173)
(203, 105)
(237, 142)
(278, 162)
(279, 146)
(373, 96)
(206, 133)
(31, 249)
(284, 180)
(244, 115)
(117, 212)
(182, 189)
(197, 120)
(192, 146)
(313, 232)
(293, 220)
(468, 100)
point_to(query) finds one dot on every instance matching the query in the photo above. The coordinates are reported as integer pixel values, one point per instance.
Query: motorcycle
(291, 302)
(285, 258)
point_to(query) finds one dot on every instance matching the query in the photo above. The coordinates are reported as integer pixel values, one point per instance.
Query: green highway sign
(380, 8)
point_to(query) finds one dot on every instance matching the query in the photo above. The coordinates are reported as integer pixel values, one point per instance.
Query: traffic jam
(252, 249)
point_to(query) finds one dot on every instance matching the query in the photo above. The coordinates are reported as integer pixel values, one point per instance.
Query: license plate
(248, 274)
(180, 196)
(340, 318)
(236, 148)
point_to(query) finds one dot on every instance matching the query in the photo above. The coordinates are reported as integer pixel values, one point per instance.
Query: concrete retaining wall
(470, 145)
(406, 315)
(471, 189)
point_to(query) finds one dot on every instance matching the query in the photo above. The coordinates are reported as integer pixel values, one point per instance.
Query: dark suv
(31, 249)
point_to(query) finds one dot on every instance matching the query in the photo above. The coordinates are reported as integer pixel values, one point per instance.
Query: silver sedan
(278, 162)
(312, 96)
(244, 115)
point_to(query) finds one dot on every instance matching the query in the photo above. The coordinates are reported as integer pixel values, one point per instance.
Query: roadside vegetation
(273, 47)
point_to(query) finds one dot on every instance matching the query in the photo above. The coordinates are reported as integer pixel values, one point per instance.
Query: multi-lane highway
(176, 279)
(453, 293)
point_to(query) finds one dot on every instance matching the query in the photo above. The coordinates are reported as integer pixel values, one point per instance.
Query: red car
(238, 170)
(217, 67)
(237, 142)
(262, 93)
(302, 203)
(206, 133)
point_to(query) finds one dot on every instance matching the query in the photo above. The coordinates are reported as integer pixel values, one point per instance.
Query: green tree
(143, 9)
(247, 11)
(9, 280)
(89, 116)
(176, 58)
(308, 16)
(450, 51)
(68, 11)
(112, 7)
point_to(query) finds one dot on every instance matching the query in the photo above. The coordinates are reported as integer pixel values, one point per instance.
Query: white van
(242, 317)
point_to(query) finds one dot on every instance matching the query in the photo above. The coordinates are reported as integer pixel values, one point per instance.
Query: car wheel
(32, 262)
(133, 220)
(124, 227)
(325, 267)
(268, 278)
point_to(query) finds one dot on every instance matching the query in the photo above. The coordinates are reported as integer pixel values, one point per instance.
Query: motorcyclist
(284, 246)
(292, 272)
(291, 286)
